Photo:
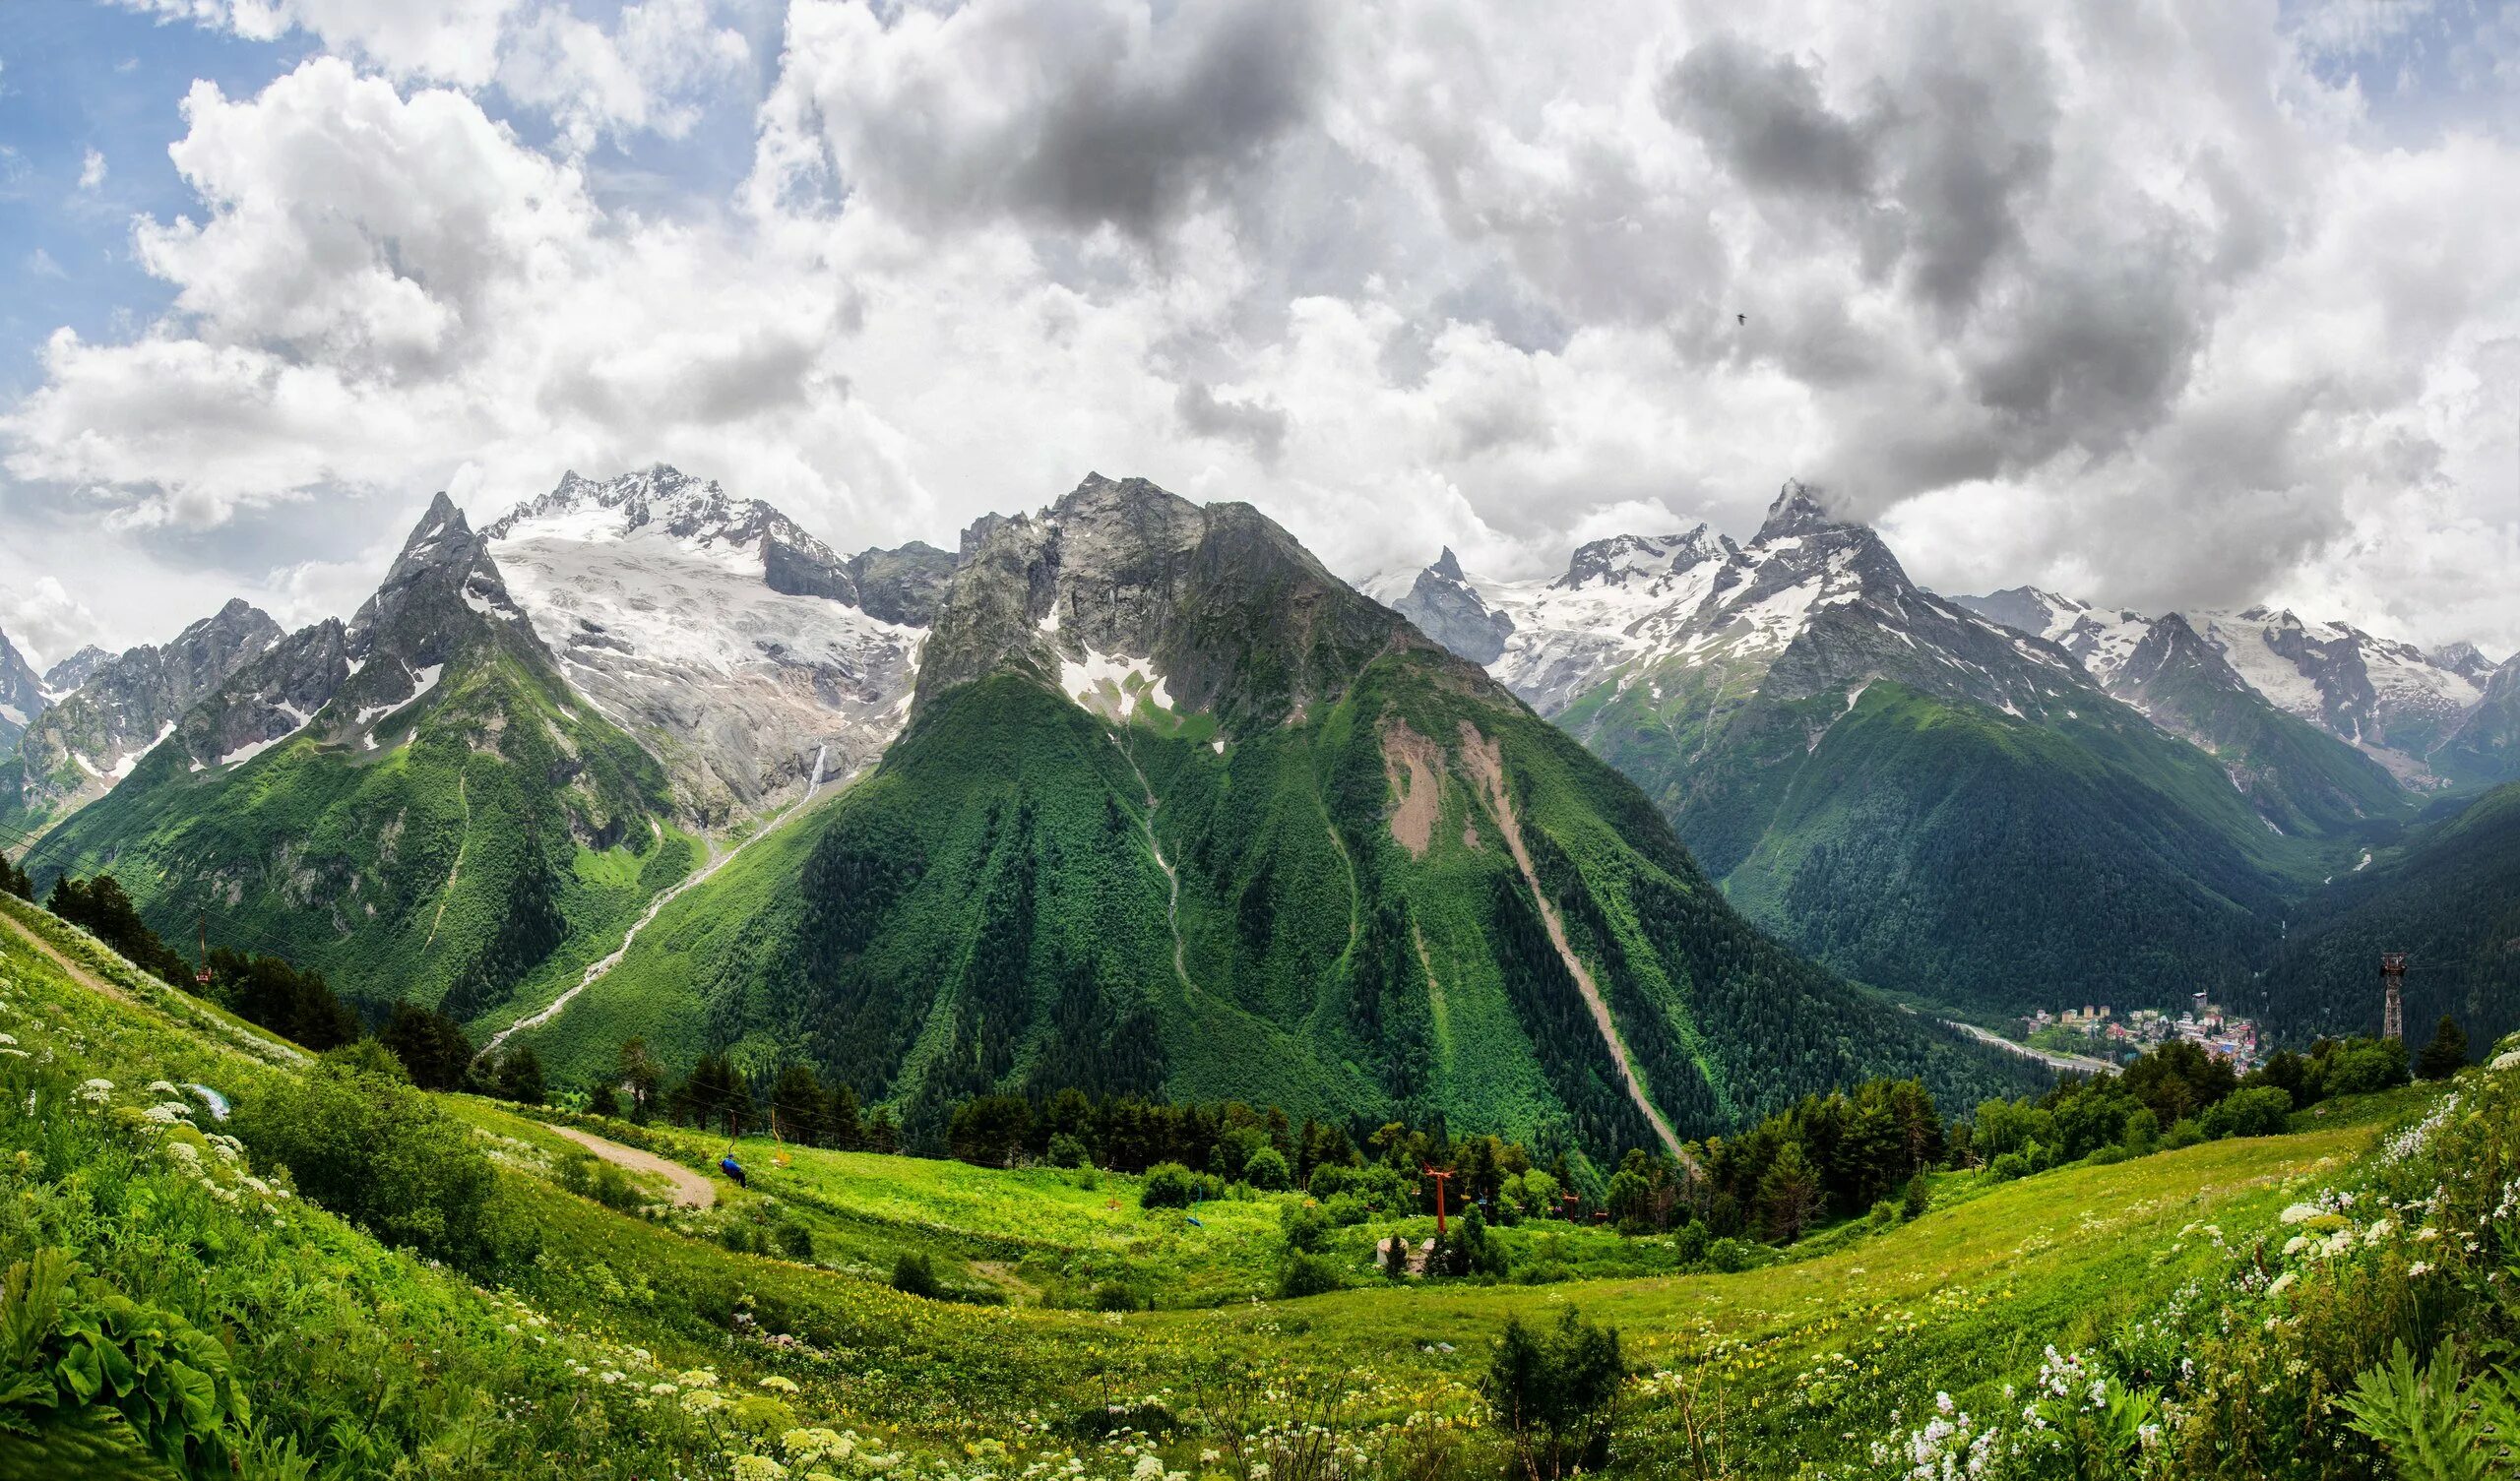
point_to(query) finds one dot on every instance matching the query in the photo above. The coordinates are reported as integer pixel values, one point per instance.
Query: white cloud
(2133, 300)
(44, 621)
(649, 72)
(92, 170)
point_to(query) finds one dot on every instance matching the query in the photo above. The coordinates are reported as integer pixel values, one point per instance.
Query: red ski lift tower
(1441, 1179)
(2392, 1003)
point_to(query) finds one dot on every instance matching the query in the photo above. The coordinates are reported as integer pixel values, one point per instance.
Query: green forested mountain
(1178, 811)
(1925, 799)
(2450, 899)
(416, 804)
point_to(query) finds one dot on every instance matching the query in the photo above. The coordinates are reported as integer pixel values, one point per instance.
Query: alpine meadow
(1779, 745)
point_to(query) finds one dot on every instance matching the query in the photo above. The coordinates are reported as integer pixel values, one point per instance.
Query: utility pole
(2393, 1006)
(201, 976)
(1441, 1179)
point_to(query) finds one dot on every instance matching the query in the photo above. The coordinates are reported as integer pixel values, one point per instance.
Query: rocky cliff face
(93, 739)
(64, 677)
(2486, 744)
(21, 697)
(1210, 609)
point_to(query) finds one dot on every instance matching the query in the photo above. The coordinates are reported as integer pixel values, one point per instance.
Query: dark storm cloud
(1763, 118)
(1932, 173)
(1071, 113)
(1255, 424)
(1134, 147)
(1976, 144)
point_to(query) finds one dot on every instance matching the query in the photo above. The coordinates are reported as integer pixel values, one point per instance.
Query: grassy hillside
(1889, 836)
(598, 1343)
(994, 908)
(495, 838)
(2450, 899)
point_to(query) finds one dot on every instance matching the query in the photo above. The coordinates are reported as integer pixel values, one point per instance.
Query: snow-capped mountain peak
(722, 625)
(2393, 700)
(1794, 510)
(1627, 559)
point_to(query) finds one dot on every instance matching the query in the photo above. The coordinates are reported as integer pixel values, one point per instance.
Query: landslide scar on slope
(1485, 761)
(1414, 766)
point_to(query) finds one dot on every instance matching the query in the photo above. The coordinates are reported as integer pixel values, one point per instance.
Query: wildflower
(2298, 1213)
(758, 1468)
(97, 1092)
(2419, 1267)
(2276, 1286)
(168, 1113)
(777, 1384)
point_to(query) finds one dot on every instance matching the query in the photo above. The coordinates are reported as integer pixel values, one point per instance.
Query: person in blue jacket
(733, 1169)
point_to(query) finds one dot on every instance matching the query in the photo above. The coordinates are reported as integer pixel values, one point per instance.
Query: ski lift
(778, 1159)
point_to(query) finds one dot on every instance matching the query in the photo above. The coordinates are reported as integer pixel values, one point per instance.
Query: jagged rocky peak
(2463, 658)
(1448, 609)
(1123, 592)
(127, 704)
(445, 568)
(1624, 558)
(2025, 609)
(1797, 509)
(66, 676)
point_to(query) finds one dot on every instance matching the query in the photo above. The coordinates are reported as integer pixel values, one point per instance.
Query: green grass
(364, 1355)
(444, 865)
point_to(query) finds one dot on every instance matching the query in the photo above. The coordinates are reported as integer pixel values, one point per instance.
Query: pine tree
(521, 1078)
(1789, 1197)
(2447, 1054)
(642, 1075)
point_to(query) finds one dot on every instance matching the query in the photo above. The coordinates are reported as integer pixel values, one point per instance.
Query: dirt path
(248, 1042)
(1486, 762)
(1002, 1274)
(691, 1190)
(77, 973)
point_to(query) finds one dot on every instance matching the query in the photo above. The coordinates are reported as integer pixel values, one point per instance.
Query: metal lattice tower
(2393, 1007)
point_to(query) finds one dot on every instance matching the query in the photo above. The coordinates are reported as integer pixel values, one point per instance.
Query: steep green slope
(1984, 861)
(2450, 899)
(1352, 887)
(1946, 808)
(446, 822)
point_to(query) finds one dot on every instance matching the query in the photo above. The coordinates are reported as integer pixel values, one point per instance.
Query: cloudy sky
(2159, 302)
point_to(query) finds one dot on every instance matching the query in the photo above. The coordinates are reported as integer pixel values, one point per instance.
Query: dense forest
(2451, 900)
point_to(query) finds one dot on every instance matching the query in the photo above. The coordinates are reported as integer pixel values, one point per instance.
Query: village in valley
(2097, 1030)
